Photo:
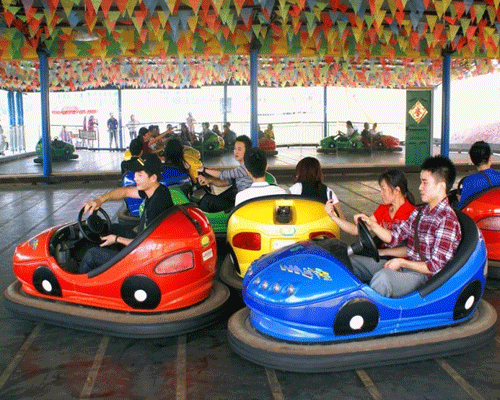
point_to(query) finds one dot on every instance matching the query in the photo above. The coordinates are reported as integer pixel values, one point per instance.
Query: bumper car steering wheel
(365, 244)
(94, 226)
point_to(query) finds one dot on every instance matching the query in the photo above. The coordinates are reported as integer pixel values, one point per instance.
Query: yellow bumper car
(265, 224)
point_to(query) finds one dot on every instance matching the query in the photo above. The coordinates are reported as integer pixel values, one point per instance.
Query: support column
(12, 121)
(44, 92)
(120, 128)
(224, 116)
(445, 124)
(254, 66)
(325, 112)
(20, 121)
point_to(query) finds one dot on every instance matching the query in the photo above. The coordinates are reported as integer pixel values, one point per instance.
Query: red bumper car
(484, 208)
(383, 142)
(159, 285)
(268, 145)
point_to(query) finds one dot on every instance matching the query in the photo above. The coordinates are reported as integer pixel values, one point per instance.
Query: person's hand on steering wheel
(91, 206)
(370, 222)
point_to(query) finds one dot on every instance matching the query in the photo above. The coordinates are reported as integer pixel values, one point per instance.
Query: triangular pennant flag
(224, 13)
(143, 35)
(195, 5)
(355, 4)
(67, 6)
(121, 4)
(400, 15)
(470, 32)
(163, 17)
(283, 13)
(392, 6)
(459, 8)
(267, 8)
(49, 17)
(439, 6)
(403, 43)
(105, 6)
(256, 29)
(30, 14)
(437, 31)
(238, 5)
(296, 24)
(341, 25)
(379, 18)
(138, 18)
(246, 15)
(130, 7)
(479, 10)
(73, 19)
(357, 32)
(452, 32)
(90, 23)
(27, 4)
(150, 6)
(369, 20)
(34, 23)
(52, 4)
(217, 4)
(95, 3)
(232, 22)
(446, 4)
(311, 4)
(431, 20)
(193, 22)
(468, 3)
(464, 23)
(110, 20)
(174, 22)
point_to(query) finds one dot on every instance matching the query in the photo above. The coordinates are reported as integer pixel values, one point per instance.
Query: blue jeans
(95, 257)
(385, 281)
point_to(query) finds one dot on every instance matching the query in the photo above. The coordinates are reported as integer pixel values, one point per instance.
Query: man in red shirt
(432, 232)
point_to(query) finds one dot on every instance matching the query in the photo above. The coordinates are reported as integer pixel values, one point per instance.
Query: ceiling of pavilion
(191, 43)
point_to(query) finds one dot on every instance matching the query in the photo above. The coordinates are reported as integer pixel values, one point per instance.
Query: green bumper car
(59, 151)
(341, 142)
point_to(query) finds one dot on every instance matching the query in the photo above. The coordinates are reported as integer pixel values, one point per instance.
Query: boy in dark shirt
(135, 152)
(157, 199)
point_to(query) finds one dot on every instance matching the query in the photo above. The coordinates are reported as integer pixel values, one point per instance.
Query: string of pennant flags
(379, 35)
(198, 71)
(392, 28)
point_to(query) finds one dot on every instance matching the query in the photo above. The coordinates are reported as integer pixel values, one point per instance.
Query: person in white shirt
(256, 166)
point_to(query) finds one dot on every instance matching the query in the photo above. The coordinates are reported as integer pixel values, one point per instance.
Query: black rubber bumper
(114, 323)
(228, 275)
(273, 353)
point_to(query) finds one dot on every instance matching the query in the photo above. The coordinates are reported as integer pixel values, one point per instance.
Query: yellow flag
(130, 7)
(431, 20)
(379, 18)
(193, 22)
(439, 8)
(452, 32)
(67, 6)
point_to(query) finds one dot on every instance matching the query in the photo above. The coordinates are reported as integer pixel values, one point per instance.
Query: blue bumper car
(307, 312)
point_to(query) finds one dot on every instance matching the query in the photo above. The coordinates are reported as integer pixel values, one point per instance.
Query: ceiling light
(82, 35)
